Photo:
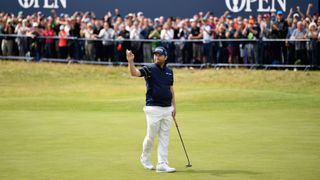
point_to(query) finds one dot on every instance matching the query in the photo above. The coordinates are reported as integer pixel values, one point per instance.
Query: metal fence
(253, 54)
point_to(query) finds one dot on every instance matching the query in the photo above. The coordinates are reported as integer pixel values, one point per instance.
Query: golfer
(160, 107)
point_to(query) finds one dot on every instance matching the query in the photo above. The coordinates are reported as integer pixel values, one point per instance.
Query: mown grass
(86, 122)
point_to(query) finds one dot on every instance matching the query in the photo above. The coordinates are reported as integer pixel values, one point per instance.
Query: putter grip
(175, 122)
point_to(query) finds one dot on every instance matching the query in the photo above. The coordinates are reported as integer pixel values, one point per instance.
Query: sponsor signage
(237, 6)
(157, 8)
(46, 4)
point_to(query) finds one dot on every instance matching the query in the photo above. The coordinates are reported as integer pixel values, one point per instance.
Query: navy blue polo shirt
(158, 83)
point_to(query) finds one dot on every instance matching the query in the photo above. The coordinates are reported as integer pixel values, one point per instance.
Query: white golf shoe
(163, 167)
(147, 165)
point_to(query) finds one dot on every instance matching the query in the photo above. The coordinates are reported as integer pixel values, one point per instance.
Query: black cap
(161, 50)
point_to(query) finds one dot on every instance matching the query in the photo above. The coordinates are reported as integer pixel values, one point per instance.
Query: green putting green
(62, 121)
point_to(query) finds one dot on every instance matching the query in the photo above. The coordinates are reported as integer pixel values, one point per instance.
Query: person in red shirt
(49, 42)
(63, 49)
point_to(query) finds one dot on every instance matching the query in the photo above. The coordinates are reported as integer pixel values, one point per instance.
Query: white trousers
(159, 120)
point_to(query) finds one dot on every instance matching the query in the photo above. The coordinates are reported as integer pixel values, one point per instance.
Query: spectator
(166, 32)
(128, 21)
(312, 45)
(116, 16)
(140, 16)
(251, 32)
(2, 24)
(186, 49)
(230, 34)
(136, 44)
(63, 49)
(300, 46)
(292, 23)
(123, 44)
(22, 42)
(49, 42)
(161, 20)
(34, 34)
(176, 44)
(207, 41)
(179, 34)
(279, 31)
(90, 49)
(107, 36)
(238, 45)
(98, 25)
(196, 35)
(222, 52)
(166, 36)
(212, 24)
(108, 18)
(73, 45)
(146, 46)
(7, 42)
(154, 35)
(318, 22)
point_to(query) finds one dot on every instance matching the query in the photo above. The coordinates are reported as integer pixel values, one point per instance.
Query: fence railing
(214, 53)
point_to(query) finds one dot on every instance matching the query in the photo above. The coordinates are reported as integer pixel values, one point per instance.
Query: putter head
(189, 165)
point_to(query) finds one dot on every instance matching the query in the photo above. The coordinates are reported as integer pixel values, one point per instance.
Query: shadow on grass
(219, 172)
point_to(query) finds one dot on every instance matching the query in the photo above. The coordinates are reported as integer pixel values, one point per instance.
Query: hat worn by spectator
(86, 20)
(20, 13)
(312, 25)
(140, 13)
(307, 20)
(35, 24)
(130, 15)
(160, 50)
(279, 12)
(296, 15)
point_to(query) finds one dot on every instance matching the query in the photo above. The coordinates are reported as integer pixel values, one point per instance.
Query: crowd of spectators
(214, 39)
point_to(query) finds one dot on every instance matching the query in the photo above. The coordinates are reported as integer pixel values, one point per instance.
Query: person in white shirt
(166, 32)
(90, 43)
(22, 42)
(167, 35)
(300, 46)
(207, 41)
(135, 35)
(107, 36)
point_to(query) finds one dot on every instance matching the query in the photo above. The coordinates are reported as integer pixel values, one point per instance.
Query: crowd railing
(214, 53)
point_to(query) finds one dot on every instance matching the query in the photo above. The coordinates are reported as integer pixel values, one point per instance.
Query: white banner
(46, 4)
(237, 6)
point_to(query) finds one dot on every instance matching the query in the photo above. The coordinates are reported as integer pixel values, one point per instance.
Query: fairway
(62, 121)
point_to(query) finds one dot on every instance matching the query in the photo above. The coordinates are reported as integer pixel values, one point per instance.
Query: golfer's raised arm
(132, 69)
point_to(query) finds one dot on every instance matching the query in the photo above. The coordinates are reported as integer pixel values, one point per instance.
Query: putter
(184, 148)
